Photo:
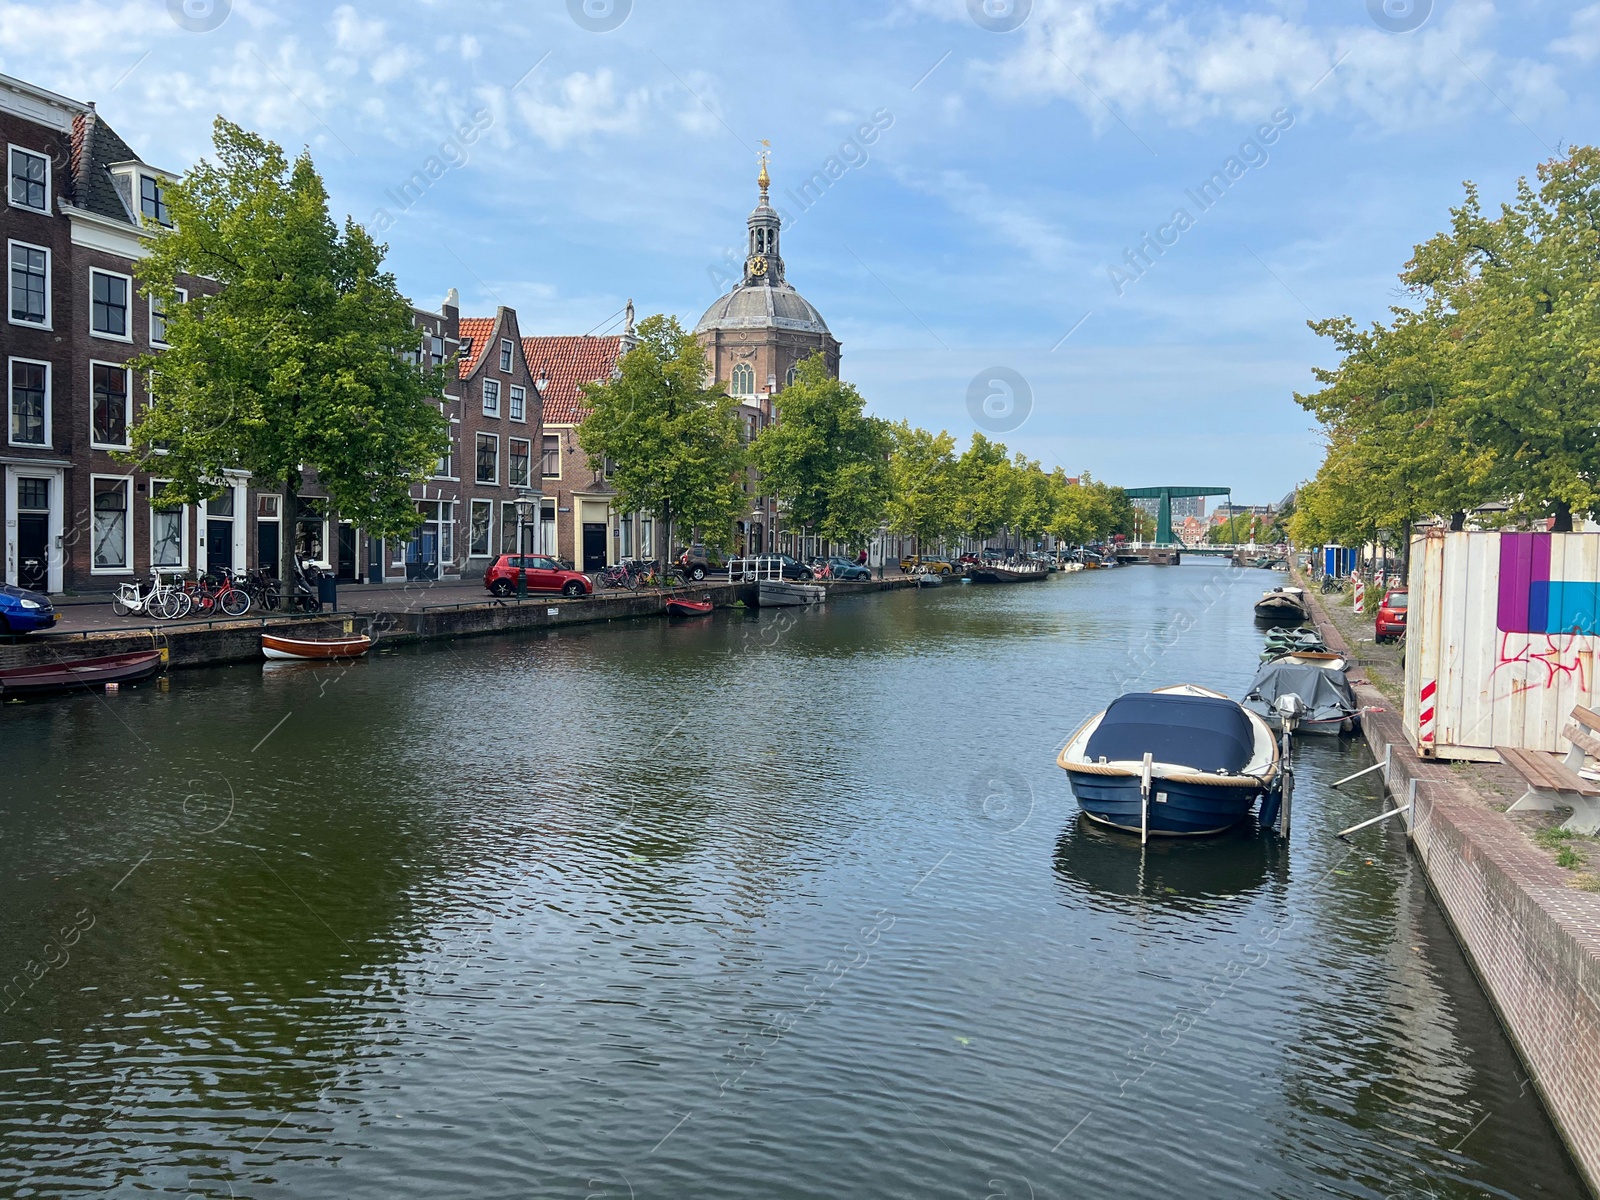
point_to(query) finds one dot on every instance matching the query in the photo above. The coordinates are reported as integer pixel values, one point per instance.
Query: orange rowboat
(274, 646)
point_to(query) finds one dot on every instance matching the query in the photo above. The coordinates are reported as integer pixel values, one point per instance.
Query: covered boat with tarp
(1283, 604)
(1330, 705)
(1180, 761)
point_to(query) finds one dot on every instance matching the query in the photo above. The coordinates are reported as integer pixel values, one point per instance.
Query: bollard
(1361, 595)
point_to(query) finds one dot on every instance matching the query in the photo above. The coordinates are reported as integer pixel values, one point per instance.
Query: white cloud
(1583, 42)
(583, 105)
(367, 39)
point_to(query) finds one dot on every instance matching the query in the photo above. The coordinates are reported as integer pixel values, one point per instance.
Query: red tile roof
(481, 331)
(568, 362)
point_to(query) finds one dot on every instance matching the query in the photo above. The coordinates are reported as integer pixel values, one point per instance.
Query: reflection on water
(1111, 870)
(789, 904)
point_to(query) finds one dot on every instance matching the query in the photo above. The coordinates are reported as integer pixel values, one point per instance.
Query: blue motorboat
(1179, 761)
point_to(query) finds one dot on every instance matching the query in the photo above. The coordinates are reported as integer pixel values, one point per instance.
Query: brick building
(578, 522)
(80, 206)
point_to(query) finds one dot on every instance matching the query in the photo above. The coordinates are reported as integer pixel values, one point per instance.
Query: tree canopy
(824, 459)
(1486, 385)
(669, 439)
(299, 359)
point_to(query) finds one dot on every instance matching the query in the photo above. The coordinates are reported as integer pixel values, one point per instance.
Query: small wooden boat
(80, 673)
(1326, 659)
(274, 646)
(1179, 761)
(929, 579)
(683, 607)
(780, 593)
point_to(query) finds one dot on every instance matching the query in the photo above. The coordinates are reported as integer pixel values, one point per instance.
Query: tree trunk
(1458, 520)
(286, 538)
(1563, 515)
(1405, 550)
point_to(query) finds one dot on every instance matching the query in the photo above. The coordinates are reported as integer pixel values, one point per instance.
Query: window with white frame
(510, 543)
(153, 201)
(478, 533)
(518, 403)
(506, 350)
(166, 529)
(158, 317)
(548, 532)
(744, 380)
(435, 350)
(109, 405)
(788, 379)
(30, 284)
(108, 305)
(111, 531)
(30, 402)
(30, 180)
(519, 463)
(550, 463)
(488, 458)
(491, 397)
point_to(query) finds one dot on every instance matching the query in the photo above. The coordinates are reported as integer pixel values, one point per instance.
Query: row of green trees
(675, 446)
(302, 358)
(1484, 386)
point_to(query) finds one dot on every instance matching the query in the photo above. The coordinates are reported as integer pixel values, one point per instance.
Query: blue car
(22, 611)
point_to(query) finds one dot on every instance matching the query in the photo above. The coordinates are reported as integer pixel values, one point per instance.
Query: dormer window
(30, 180)
(152, 203)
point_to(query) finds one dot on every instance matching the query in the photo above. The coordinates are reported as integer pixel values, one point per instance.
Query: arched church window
(744, 380)
(788, 380)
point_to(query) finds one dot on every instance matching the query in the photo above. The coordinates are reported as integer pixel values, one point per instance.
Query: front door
(33, 551)
(422, 554)
(219, 545)
(33, 534)
(374, 560)
(594, 547)
(266, 547)
(346, 563)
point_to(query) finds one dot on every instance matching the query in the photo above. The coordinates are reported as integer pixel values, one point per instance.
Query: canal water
(778, 904)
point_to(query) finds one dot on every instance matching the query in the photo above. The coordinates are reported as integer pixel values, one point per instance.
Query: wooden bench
(1556, 781)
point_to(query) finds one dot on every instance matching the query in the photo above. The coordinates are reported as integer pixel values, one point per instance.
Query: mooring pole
(1144, 798)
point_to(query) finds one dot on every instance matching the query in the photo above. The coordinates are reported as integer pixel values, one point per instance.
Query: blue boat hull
(1187, 810)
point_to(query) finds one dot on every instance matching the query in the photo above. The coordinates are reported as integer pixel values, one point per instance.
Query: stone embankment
(1533, 938)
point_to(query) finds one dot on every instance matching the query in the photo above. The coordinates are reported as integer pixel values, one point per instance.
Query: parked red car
(1391, 620)
(544, 575)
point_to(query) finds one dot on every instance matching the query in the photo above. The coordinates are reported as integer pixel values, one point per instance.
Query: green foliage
(672, 441)
(986, 497)
(1488, 386)
(297, 359)
(826, 462)
(922, 479)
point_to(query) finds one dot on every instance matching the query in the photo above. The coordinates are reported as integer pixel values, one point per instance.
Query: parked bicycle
(154, 598)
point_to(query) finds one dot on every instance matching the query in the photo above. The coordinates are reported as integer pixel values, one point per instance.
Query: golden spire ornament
(764, 179)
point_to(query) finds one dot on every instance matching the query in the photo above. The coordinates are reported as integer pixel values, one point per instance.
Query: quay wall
(1532, 939)
(224, 641)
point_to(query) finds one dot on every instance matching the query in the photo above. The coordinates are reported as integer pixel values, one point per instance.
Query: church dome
(763, 299)
(763, 306)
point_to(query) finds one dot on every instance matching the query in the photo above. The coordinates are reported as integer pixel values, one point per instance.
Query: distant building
(1191, 532)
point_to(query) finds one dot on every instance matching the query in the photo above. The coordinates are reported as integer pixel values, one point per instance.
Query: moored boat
(682, 606)
(1283, 604)
(929, 579)
(1007, 572)
(1179, 761)
(1328, 705)
(780, 593)
(274, 646)
(71, 674)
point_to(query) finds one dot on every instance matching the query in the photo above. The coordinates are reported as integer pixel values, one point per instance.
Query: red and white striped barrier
(1425, 715)
(1361, 595)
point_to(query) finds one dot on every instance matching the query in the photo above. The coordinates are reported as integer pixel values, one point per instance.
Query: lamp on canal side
(524, 504)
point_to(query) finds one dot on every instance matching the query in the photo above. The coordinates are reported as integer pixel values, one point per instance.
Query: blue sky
(988, 223)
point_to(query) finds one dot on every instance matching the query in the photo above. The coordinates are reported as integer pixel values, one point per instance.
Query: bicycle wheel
(119, 605)
(164, 606)
(233, 602)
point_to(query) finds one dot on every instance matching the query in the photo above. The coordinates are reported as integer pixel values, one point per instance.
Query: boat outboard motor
(1279, 808)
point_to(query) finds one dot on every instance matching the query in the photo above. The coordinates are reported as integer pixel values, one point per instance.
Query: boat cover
(1207, 734)
(1326, 693)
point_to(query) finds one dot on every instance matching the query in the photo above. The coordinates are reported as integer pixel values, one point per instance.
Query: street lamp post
(524, 503)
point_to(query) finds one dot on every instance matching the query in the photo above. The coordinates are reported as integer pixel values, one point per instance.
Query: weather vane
(762, 157)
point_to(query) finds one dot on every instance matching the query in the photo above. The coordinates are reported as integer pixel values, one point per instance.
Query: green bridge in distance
(1164, 535)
